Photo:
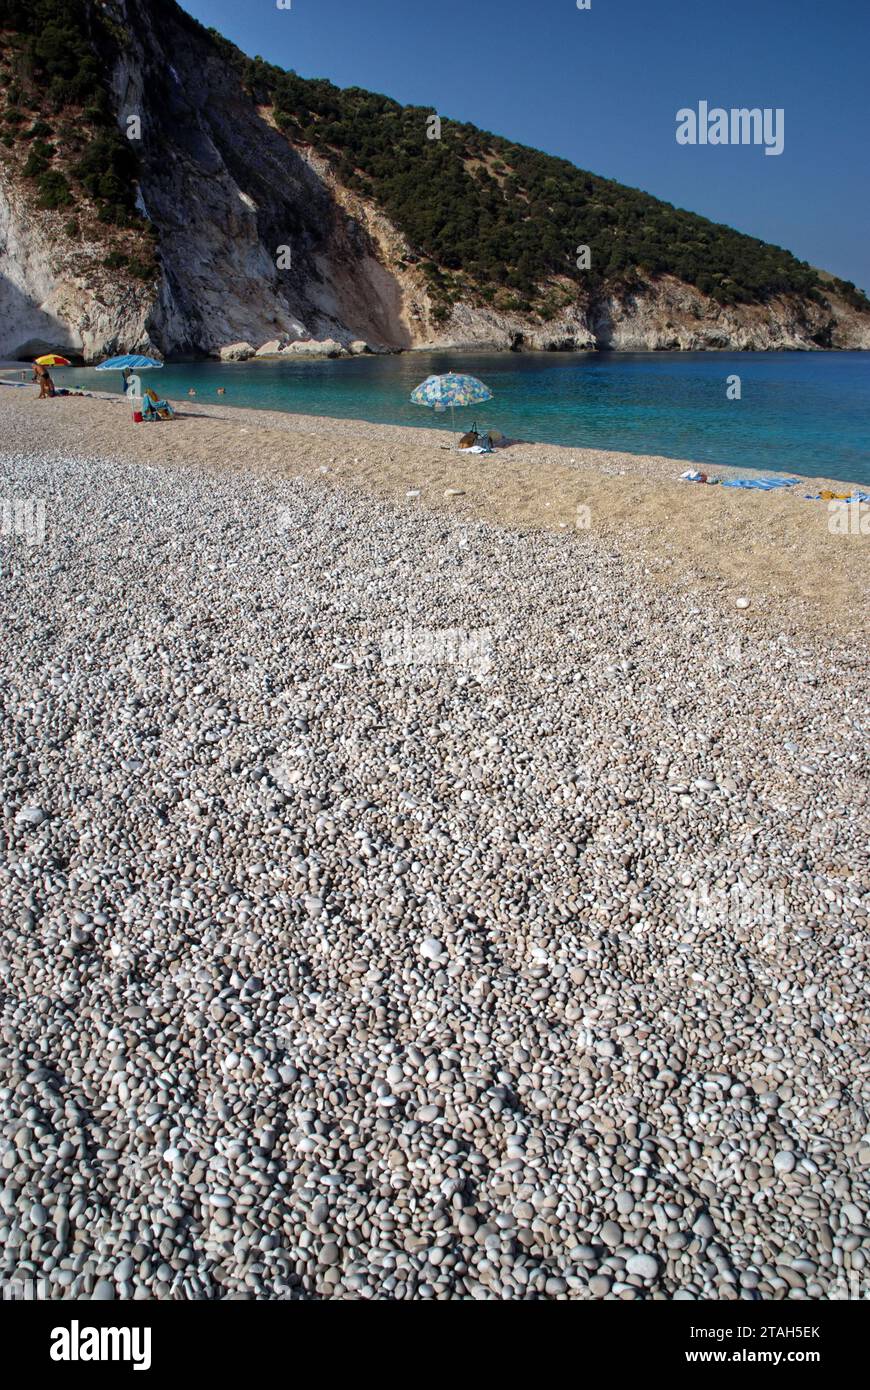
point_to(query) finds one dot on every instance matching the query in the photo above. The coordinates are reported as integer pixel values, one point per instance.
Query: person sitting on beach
(46, 385)
(153, 406)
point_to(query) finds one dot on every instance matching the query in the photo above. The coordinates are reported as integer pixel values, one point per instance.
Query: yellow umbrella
(52, 359)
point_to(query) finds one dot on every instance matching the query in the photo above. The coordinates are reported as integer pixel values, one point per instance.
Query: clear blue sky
(602, 87)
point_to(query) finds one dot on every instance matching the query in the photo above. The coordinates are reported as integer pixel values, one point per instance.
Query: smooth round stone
(431, 948)
(784, 1161)
(644, 1266)
(611, 1234)
(104, 1291)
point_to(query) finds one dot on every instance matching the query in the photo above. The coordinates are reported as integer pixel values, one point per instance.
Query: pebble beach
(407, 894)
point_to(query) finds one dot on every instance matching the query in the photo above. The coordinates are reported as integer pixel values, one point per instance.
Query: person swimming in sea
(46, 385)
(222, 390)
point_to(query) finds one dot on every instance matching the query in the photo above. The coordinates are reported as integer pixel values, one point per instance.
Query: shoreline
(472, 348)
(772, 547)
(295, 422)
(271, 413)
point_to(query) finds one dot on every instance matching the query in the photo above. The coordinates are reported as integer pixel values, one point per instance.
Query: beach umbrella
(452, 389)
(53, 359)
(130, 362)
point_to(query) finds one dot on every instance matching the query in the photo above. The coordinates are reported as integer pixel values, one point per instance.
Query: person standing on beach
(46, 385)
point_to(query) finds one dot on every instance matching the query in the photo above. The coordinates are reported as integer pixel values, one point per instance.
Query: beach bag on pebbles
(469, 440)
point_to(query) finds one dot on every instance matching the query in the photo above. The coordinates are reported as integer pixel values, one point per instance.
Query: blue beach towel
(765, 484)
(855, 497)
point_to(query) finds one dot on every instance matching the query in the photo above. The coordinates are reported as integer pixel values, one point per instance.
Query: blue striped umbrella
(132, 362)
(453, 389)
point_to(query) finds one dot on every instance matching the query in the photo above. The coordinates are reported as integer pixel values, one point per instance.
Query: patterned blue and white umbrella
(130, 362)
(452, 389)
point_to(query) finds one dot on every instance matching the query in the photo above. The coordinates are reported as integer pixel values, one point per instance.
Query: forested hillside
(168, 242)
(56, 116)
(492, 213)
(486, 219)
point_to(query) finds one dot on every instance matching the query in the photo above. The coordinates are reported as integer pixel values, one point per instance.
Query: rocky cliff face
(663, 315)
(260, 243)
(57, 296)
(254, 244)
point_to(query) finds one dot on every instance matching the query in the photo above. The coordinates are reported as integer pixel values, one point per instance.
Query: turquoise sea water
(803, 413)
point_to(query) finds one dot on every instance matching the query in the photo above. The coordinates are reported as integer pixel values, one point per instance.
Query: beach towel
(765, 484)
(826, 496)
